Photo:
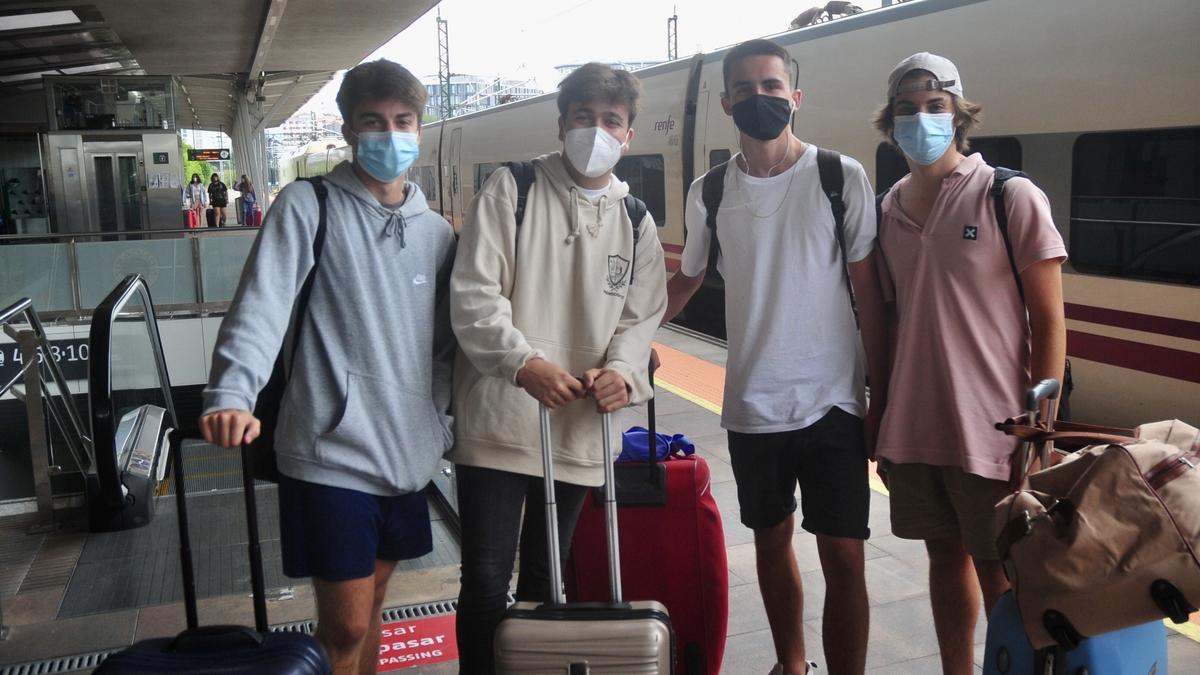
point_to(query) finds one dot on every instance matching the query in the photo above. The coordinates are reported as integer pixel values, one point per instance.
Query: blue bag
(635, 445)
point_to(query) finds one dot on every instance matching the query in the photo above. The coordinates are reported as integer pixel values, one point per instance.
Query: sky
(526, 39)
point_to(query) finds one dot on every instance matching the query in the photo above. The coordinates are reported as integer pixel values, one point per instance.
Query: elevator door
(116, 186)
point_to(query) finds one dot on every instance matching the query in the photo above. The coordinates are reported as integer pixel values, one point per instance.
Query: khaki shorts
(945, 502)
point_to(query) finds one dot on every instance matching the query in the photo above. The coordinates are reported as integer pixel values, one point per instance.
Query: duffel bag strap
(1093, 436)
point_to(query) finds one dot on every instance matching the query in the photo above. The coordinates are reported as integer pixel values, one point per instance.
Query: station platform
(70, 597)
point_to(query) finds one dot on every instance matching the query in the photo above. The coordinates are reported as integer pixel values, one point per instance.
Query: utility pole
(443, 27)
(673, 35)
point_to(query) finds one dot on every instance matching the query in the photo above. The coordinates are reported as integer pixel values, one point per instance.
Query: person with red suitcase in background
(794, 390)
(966, 350)
(249, 201)
(197, 198)
(558, 309)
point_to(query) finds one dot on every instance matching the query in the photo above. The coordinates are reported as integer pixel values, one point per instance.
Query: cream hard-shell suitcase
(628, 638)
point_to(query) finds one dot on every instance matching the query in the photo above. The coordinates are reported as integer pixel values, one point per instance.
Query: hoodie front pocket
(385, 433)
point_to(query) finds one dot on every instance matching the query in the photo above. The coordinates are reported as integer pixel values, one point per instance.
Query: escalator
(131, 409)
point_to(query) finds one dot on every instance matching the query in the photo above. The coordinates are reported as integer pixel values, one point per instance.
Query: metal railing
(42, 375)
(67, 274)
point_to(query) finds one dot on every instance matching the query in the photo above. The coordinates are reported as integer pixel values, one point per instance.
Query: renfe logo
(416, 642)
(665, 126)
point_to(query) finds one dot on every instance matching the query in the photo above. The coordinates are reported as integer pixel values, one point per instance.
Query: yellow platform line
(1189, 630)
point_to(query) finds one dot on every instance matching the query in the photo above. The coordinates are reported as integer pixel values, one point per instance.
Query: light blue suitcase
(1134, 650)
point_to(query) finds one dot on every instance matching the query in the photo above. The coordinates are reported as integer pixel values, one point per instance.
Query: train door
(456, 200)
(116, 185)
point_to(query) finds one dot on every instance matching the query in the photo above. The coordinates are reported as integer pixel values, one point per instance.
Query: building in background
(472, 93)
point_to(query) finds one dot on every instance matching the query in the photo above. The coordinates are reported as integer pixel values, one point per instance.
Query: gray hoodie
(366, 402)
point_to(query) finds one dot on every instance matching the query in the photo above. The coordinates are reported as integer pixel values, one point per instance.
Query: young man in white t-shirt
(794, 389)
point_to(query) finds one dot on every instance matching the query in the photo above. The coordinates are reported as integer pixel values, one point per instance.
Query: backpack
(999, 180)
(524, 173)
(829, 166)
(270, 398)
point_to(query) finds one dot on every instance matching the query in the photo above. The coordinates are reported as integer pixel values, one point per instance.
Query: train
(1096, 101)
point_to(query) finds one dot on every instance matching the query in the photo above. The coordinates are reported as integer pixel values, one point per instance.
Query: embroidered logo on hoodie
(420, 280)
(618, 268)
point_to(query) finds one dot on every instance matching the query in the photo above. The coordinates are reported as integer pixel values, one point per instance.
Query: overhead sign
(208, 155)
(417, 642)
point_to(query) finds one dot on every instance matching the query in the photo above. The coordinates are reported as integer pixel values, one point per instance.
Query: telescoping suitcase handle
(257, 582)
(1047, 389)
(610, 511)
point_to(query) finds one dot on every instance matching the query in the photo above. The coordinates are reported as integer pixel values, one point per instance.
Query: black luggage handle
(197, 639)
(257, 583)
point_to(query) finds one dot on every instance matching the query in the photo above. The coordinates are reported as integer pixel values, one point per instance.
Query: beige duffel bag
(1108, 538)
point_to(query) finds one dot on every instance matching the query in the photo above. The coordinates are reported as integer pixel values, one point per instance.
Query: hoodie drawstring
(573, 197)
(396, 224)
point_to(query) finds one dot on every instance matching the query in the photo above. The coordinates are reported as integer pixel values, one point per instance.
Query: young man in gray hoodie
(364, 417)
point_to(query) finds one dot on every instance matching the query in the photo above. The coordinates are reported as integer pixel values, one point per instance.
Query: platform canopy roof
(281, 51)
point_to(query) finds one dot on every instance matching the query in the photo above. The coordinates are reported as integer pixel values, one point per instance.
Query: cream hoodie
(562, 293)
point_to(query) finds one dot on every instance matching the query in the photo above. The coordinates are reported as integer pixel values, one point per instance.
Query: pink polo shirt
(962, 353)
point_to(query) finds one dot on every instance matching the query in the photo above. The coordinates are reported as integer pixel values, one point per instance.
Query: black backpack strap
(636, 209)
(318, 247)
(829, 165)
(712, 190)
(523, 173)
(1001, 177)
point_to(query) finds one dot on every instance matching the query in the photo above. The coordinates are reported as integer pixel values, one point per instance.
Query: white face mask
(592, 151)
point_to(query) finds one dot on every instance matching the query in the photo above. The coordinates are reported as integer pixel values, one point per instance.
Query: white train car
(316, 159)
(1097, 101)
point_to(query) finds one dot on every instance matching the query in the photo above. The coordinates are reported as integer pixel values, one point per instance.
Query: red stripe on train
(1164, 361)
(1134, 321)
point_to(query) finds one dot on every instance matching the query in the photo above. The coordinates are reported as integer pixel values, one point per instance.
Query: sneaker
(778, 669)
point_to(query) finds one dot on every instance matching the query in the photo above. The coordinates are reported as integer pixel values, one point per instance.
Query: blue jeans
(489, 506)
(247, 213)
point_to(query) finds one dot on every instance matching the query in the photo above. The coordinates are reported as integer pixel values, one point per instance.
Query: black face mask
(762, 117)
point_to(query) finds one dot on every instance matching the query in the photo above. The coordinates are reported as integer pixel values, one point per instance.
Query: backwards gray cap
(945, 75)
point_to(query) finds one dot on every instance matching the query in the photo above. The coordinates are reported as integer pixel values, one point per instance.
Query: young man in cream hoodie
(557, 310)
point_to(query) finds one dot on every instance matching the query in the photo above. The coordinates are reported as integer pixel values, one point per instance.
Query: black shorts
(336, 534)
(827, 458)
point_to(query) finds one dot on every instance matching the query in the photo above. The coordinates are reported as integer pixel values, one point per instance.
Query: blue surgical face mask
(924, 137)
(385, 155)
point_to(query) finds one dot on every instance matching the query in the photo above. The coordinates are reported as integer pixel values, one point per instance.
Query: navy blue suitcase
(228, 650)
(1137, 649)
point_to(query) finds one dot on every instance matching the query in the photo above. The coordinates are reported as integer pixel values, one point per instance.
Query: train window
(997, 151)
(484, 171)
(716, 157)
(423, 177)
(1135, 204)
(644, 173)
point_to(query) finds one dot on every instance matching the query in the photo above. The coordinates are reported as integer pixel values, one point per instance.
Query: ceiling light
(37, 20)
(26, 76)
(92, 68)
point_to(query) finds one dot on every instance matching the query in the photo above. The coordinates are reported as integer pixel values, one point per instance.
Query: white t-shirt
(794, 351)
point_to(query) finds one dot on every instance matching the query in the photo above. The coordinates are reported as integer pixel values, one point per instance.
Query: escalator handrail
(77, 437)
(100, 380)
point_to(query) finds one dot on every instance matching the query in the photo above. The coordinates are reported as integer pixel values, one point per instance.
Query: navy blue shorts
(336, 534)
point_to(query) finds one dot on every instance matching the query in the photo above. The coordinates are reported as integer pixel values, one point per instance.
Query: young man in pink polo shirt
(966, 346)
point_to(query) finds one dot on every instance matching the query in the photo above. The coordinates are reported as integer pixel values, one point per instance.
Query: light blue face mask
(385, 155)
(924, 137)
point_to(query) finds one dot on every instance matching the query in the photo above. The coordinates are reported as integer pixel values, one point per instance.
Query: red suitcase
(672, 551)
